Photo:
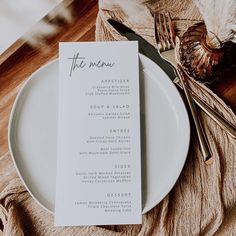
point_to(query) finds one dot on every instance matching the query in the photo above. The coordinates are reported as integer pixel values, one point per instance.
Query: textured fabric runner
(202, 200)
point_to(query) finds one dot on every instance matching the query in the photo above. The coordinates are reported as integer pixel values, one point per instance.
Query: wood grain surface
(15, 69)
(226, 86)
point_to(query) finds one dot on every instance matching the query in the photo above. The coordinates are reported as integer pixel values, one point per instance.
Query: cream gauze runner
(202, 200)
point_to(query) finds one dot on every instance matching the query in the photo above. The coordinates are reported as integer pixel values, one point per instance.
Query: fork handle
(204, 145)
(219, 119)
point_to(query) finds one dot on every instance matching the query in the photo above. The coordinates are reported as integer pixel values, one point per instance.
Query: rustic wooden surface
(22, 60)
(16, 68)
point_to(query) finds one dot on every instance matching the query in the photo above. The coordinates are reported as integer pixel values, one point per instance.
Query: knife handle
(204, 145)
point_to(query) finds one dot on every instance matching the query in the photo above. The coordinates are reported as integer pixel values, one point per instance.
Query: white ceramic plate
(33, 134)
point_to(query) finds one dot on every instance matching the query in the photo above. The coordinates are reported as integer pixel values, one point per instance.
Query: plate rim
(187, 136)
(11, 129)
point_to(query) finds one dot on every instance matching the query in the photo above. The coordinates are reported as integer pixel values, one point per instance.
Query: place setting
(33, 137)
(127, 131)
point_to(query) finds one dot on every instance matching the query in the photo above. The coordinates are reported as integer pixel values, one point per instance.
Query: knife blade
(145, 47)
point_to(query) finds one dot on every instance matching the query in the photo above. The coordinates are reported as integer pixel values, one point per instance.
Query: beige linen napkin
(201, 201)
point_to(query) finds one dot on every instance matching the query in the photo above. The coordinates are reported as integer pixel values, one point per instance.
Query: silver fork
(165, 38)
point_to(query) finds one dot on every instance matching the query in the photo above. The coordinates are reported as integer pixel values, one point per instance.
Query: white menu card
(99, 160)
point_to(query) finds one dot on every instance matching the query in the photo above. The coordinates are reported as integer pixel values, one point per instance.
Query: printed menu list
(99, 165)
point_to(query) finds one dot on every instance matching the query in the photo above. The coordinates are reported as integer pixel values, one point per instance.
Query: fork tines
(164, 31)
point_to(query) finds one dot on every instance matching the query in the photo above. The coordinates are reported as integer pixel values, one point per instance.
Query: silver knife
(150, 51)
(145, 48)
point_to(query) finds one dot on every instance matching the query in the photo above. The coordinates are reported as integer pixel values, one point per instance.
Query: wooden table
(21, 60)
